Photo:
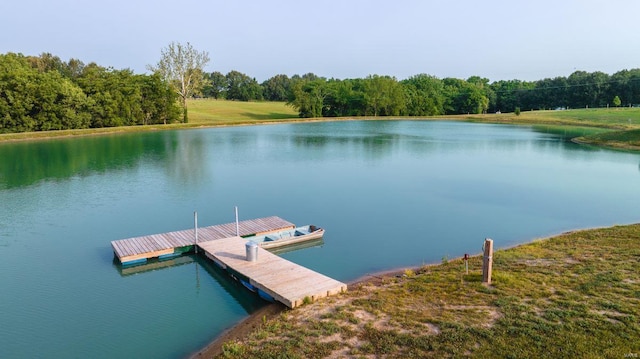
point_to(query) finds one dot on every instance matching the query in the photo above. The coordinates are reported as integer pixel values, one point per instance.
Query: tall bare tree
(182, 66)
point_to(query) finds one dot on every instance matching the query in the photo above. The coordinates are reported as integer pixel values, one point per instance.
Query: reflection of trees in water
(26, 163)
(376, 140)
(185, 158)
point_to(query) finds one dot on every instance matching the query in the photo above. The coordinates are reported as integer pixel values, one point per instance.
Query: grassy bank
(208, 113)
(618, 127)
(202, 113)
(609, 118)
(574, 295)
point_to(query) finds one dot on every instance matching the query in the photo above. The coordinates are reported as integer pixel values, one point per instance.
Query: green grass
(574, 295)
(612, 127)
(610, 118)
(211, 112)
(628, 140)
(588, 124)
(203, 112)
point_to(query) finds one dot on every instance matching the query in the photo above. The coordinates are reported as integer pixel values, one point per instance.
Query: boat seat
(269, 238)
(301, 232)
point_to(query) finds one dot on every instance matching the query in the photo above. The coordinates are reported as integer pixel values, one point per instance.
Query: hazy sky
(509, 39)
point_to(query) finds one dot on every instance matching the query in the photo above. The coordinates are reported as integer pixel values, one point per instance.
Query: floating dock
(270, 275)
(138, 250)
(284, 281)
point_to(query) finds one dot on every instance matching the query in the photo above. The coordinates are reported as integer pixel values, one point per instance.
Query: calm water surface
(390, 194)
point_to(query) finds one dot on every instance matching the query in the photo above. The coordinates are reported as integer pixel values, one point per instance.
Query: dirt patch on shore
(240, 330)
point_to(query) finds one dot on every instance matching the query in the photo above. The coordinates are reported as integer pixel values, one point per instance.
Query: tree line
(40, 93)
(425, 95)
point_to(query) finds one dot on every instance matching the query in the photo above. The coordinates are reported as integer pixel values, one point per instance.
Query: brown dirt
(253, 321)
(240, 330)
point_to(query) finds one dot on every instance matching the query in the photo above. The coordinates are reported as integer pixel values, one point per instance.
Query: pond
(390, 194)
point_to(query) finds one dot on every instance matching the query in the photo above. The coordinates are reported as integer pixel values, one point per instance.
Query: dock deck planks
(154, 245)
(285, 281)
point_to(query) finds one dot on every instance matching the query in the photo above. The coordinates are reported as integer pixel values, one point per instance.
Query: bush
(517, 111)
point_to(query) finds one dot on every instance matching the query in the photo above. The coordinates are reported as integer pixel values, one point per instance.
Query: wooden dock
(278, 278)
(166, 245)
(285, 281)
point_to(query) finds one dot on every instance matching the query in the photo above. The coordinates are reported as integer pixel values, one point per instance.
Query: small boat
(287, 237)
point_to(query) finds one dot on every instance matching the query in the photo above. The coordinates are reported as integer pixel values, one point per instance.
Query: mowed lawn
(211, 112)
(620, 118)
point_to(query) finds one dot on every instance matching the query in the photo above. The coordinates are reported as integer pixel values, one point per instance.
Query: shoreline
(241, 329)
(91, 132)
(244, 327)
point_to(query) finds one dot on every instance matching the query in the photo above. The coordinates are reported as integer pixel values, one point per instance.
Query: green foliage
(43, 93)
(40, 93)
(242, 87)
(616, 101)
(383, 96)
(308, 97)
(424, 95)
(215, 85)
(517, 111)
(277, 88)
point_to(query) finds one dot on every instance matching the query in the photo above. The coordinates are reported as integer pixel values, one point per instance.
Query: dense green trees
(44, 93)
(39, 93)
(277, 88)
(424, 95)
(242, 87)
(215, 85)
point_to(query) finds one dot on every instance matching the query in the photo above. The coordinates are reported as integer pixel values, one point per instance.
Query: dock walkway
(285, 281)
(138, 249)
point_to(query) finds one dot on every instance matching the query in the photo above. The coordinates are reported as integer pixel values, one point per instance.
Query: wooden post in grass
(487, 262)
(466, 263)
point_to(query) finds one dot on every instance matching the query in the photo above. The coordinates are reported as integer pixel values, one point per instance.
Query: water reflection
(185, 154)
(390, 194)
(382, 139)
(246, 299)
(27, 163)
(249, 301)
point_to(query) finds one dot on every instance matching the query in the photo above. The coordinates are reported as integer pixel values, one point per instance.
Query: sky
(496, 39)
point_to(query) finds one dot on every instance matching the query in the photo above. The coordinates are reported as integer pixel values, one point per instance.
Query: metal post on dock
(195, 224)
(237, 225)
(487, 262)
